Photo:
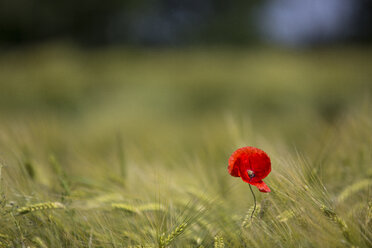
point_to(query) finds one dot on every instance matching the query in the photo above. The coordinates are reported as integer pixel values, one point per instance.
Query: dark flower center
(250, 174)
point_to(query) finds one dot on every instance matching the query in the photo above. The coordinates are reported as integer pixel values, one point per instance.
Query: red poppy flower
(251, 165)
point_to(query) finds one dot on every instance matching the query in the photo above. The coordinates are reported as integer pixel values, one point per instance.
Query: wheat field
(129, 148)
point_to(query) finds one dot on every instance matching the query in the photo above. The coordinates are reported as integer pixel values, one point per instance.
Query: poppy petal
(262, 187)
(233, 166)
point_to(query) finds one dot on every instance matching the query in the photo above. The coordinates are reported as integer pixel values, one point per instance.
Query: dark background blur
(185, 22)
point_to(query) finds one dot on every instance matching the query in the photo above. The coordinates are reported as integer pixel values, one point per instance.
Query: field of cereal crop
(129, 148)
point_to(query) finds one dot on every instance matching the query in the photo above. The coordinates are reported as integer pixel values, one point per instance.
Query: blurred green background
(181, 98)
(176, 73)
(180, 74)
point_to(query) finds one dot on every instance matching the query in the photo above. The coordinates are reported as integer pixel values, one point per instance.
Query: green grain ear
(166, 240)
(40, 207)
(218, 242)
(338, 220)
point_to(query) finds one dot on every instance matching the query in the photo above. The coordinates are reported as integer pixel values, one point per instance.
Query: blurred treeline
(144, 22)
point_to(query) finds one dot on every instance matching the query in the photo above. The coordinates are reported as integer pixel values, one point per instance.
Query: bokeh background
(167, 70)
(174, 72)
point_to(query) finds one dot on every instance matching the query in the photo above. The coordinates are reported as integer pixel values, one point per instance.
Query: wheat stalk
(124, 207)
(165, 241)
(247, 221)
(218, 242)
(39, 207)
(339, 221)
